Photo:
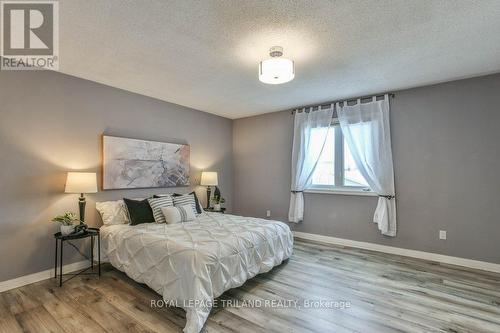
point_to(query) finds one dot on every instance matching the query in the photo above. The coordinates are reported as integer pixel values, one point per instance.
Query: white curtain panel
(366, 129)
(305, 155)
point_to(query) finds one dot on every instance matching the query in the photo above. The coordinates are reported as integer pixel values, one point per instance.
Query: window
(336, 169)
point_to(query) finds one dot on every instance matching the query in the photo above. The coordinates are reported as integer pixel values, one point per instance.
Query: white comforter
(192, 263)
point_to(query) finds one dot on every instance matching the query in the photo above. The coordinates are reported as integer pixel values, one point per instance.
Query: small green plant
(217, 199)
(67, 218)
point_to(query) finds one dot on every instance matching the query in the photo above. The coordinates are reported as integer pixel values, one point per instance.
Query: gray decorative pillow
(186, 199)
(199, 208)
(157, 204)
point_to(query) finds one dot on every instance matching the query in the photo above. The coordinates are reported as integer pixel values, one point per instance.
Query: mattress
(192, 263)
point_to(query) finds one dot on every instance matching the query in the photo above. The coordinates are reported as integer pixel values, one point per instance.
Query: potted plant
(67, 221)
(217, 202)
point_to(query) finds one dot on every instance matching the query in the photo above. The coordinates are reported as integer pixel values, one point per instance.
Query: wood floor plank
(134, 307)
(386, 293)
(17, 301)
(103, 313)
(380, 295)
(38, 320)
(8, 322)
(284, 319)
(67, 314)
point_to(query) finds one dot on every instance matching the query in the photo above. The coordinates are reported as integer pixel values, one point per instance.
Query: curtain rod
(299, 109)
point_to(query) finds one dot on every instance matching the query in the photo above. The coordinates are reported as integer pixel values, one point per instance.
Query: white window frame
(339, 175)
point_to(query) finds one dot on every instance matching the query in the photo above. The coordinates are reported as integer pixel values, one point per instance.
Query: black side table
(211, 209)
(90, 232)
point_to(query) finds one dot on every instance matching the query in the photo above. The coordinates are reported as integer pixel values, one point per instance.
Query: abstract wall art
(132, 163)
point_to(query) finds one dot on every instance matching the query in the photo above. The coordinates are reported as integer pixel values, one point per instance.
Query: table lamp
(81, 182)
(209, 179)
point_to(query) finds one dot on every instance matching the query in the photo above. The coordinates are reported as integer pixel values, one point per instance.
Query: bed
(190, 264)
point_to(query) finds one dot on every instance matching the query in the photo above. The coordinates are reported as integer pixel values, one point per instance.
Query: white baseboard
(43, 275)
(476, 264)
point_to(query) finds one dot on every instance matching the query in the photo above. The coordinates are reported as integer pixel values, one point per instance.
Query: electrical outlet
(442, 234)
(268, 213)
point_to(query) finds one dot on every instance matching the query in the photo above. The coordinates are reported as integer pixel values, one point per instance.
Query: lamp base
(81, 205)
(209, 191)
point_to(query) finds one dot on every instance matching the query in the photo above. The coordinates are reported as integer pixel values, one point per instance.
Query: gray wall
(446, 159)
(51, 123)
(446, 151)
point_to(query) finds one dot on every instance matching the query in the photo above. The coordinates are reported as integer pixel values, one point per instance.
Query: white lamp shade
(209, 179)
(276, 70)
(81, 182)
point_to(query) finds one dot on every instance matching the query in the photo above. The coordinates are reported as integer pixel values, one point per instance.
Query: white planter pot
(217, 207)
(67, 229)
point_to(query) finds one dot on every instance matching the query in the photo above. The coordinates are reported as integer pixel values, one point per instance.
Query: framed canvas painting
(132, 163)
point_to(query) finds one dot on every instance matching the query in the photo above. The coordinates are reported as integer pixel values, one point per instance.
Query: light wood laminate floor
(387, 293)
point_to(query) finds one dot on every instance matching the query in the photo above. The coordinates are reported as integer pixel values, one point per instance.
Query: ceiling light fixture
(276, 70)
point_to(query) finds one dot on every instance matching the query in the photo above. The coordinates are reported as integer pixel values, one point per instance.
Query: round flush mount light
(276, 70)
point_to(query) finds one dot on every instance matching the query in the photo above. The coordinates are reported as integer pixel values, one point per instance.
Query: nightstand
(90, 232)
(222, 210)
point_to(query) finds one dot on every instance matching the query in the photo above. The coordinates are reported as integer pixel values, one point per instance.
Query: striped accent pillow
(178, 214)
(199, 208)
(157, 204)
(186, 199)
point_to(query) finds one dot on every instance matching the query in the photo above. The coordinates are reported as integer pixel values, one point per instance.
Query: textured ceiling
(205, 54)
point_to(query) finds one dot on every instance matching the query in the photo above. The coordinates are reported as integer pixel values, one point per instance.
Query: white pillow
(112, 212)
(178, 214)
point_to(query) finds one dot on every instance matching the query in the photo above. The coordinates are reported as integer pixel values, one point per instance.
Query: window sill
(342, 192)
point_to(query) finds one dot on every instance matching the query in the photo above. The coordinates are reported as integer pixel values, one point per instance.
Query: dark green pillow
(139, 211)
